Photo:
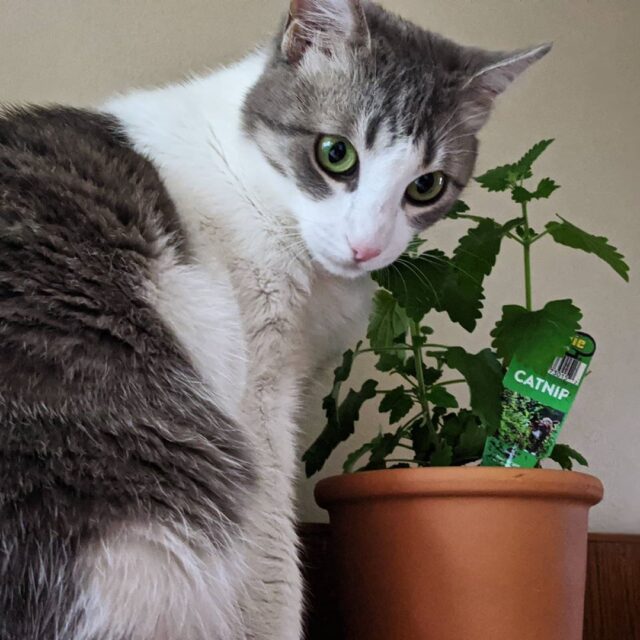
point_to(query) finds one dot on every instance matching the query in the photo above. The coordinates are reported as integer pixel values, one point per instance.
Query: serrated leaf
(525, 163)
(484, 375)
(430, 374)
(415, 244)
(342, 372)
(416, 282)
(397, 403)
(471, 444)
(508, 175)
(512, 224)
(354, 457)
(545, 188)
(521, 195)
(458, 209)
(478, 249)
(389, 360)
(473, 259)
(442, 456)
(569, 235)
(536, 337)
(387, 321)
(564, 455)
(452, 427)
(340, 425)
(440, 396)
(382, 446)
(432, 281)
(423, 439)
(498, 179)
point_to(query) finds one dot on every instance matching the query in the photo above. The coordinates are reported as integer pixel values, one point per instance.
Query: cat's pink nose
(363, 253)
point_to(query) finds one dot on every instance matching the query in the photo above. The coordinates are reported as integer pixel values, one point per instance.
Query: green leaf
(524, 165)
(452, 428)
(397, 402)
(432, 281)
(510, 225)
(414, 245)
(472, 441)
(521, 195)
(442, 456)
(473, 260)
(416, 282)
(508, 176)
(440, 396)
(340, 425)
(564, 455)
(498, 179)
(387, 321)
(536, 337)
(342, 372)
(353, 457)
(484, 375)
(545, 188)
(423, 439)
(477, 251)
(382, 446)
(569, 235)
(458, 208)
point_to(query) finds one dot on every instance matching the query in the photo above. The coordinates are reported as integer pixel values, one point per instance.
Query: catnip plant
(427, 426)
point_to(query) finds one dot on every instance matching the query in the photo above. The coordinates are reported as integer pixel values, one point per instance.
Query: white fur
(197, 303)
(274, 278)
(144, 582)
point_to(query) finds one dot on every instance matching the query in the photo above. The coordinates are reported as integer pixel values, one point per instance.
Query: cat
(175, 266)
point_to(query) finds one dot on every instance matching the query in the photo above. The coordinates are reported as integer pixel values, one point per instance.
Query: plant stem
(414, 386)
(444, 384)
(539, 236)
(526, 244)
(400, 347)
(416, 338)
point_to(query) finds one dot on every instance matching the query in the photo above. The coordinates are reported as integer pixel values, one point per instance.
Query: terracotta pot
(461, 553)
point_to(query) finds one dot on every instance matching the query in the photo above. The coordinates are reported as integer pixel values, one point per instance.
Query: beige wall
(586, 94)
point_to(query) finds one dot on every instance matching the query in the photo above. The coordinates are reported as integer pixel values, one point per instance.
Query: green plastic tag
(534, 408)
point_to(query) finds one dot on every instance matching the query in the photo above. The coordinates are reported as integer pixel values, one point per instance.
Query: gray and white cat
(173, 268)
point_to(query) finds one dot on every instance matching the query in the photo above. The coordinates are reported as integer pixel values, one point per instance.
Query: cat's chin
(349, 272)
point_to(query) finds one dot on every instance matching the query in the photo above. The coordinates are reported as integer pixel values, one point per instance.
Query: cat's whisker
(421, 276)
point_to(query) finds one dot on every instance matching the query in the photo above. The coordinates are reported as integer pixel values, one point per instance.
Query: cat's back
(112, 437)
(82, 215)
(70, 177)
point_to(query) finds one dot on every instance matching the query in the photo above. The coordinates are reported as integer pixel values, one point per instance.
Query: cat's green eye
(427, 188)
(336, 155)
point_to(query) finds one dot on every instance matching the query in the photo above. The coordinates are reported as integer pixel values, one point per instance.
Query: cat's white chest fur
(271, 318)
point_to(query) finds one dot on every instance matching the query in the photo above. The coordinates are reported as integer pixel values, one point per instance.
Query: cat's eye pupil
(338, 152)
(337, 156)
(427, 188)
(425, 183)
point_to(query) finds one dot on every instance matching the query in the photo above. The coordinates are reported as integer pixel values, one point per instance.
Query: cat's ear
(323, 24)
(492, 73)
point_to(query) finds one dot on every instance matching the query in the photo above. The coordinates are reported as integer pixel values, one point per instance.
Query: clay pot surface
(461, 553)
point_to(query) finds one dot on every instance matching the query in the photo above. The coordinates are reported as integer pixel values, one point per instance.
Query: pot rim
(459, 481)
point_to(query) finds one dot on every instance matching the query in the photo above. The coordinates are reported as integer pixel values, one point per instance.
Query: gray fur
(411, 81)
(103, 420)
(89, 375)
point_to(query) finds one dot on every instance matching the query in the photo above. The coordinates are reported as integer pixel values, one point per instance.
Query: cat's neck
(227, 193)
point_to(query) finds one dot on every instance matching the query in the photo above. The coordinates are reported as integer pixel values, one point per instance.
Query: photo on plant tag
(527, 424)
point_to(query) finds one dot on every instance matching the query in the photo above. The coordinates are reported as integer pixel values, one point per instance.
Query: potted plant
(429, 545)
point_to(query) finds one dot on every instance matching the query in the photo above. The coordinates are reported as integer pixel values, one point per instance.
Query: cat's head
(374, 121)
